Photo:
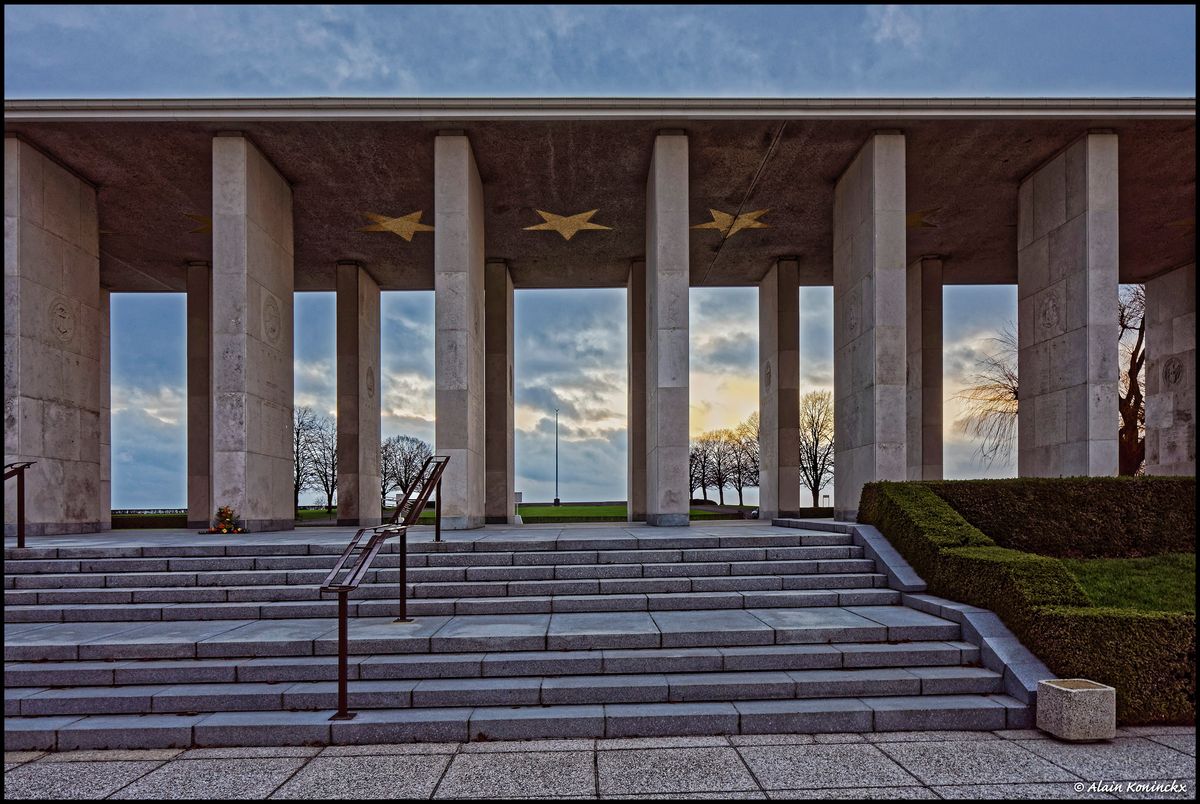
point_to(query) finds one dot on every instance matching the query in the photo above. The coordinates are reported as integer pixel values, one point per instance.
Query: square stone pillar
(458, 286)
(199, 395)
(635, 299)
(252, 374)
(498, 323)
(1067, 351)
(924, 335)
(869, 278)
(105, 319)
(52, 344)
(358, 407)
(1171, 373)
(667, 281)
(779, 391)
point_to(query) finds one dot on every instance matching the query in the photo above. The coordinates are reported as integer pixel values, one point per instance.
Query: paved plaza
(929, 765)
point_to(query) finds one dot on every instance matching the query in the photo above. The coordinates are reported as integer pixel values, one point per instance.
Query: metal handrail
(345, 577)
(17, 469)
(424, 484)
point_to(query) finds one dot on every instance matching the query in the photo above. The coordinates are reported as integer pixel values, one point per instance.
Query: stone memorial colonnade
(242, 203)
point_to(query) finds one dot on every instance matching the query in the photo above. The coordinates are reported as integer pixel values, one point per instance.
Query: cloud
(895, 24)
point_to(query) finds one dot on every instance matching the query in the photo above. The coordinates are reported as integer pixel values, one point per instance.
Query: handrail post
(403, 618)
(21, 508)
(343, 712)
(437, 513)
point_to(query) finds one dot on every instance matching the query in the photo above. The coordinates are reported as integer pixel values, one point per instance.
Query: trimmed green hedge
(1080, 517)
(1150, 657)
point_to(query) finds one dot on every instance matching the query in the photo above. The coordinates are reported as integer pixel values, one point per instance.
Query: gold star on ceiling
(406, 225)
(205, 222)
(728, 225)
(565, 225)
(920, 220)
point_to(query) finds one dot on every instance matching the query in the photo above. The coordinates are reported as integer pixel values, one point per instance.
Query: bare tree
(745, 455)
(1131, 313)
(700, 466)
(304, 424)
(991, 394)
(323, 457)
(991, 398)
(400, 461)
(721, 451)
(816, 442)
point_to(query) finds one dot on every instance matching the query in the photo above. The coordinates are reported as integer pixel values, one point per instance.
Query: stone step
(614, 688)
(444, 575)
(372, 591)
(470, 633)
(482, 665)
(420, 540)
(391, 560)
(272, 728)
(148, 612)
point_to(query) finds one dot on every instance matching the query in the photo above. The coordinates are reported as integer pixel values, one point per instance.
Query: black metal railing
(355, 561)
(17, 470)
(344, 578)
(416, 496)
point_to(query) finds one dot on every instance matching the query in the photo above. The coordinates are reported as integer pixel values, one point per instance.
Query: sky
(570, 344)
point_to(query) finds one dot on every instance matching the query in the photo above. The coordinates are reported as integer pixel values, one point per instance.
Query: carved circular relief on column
(370, 383)
(272, 319)
(852, 316)
(62, 319)
(1172, 372)
(1049, 315)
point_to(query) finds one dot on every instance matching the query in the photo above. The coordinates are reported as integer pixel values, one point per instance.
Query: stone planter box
(1077, 709)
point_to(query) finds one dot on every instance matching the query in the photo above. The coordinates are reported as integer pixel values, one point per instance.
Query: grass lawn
(1157, 583)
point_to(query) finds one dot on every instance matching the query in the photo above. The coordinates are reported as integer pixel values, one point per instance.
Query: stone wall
(1067, 238)
(1171, 373)
(52, 344)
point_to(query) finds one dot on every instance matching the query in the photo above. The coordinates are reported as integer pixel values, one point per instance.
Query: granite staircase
(518, 633)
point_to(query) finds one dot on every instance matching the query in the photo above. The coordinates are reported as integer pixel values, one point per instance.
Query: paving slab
(804, 716)
(128, 731)
(213, 779)
(505, 775)
(90, 780)
(1125, 758)
(377, 726)
(820, 625)
(711, 628)
(366, 777)
(673, 771)
(1004, 792)
(384, 635)
(599, 630)
(778, 767)
(614, 688)
(910, 713)
(267, 638)
(658, 720)
(974, 762)
(537, 722)
(856, 793)
(225, 729)
(494, 632)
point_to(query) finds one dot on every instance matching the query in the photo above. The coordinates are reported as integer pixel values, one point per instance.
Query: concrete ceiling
(154, 180)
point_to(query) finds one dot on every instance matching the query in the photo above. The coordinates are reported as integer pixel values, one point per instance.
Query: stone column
(923, 332)
(105, 319)
(252, 287)
(1171, 373)
(868, 309)
(52, 343)
(667, 492)
(636, 478)
(498, 328)
(1067, 313)
(779, 391)
(199, 395)
(458, 323)
(358, 408)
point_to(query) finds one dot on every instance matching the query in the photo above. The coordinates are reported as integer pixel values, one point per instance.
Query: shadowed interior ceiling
(565, 199)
